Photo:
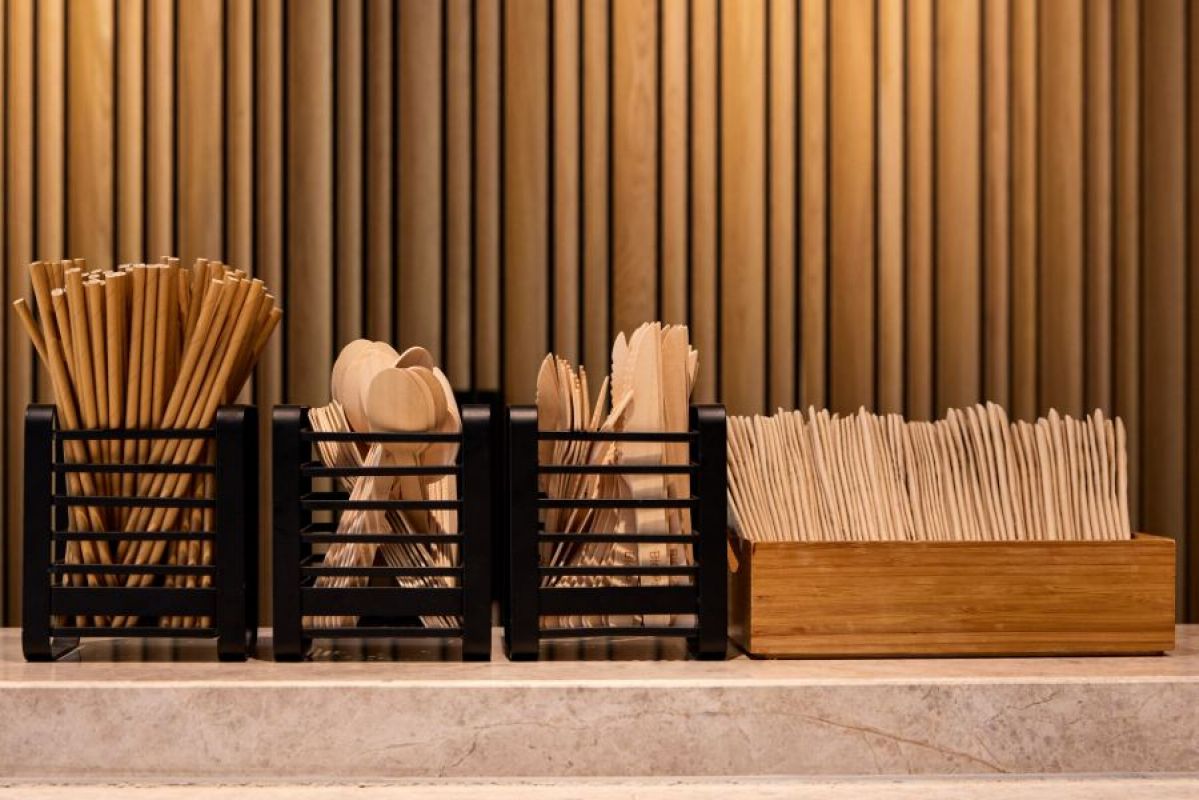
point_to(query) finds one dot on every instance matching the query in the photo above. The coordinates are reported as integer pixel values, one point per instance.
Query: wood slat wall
(902, 204)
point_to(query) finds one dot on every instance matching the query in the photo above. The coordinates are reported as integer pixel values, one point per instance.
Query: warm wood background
(898, 204)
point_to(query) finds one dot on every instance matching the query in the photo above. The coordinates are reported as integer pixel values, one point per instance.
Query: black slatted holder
(51, 603)
(383, 608)
(535, 590)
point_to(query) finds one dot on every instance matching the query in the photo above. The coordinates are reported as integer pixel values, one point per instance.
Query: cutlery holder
(386, 610)
(889, 599)
(705, 597)
(229, 603)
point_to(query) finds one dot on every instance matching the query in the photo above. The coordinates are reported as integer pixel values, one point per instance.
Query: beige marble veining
(389, 719)
(1139, 787)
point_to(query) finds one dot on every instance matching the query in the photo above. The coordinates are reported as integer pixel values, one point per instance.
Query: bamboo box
(895, 599)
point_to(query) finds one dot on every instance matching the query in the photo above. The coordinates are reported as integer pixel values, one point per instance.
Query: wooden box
(823, 600)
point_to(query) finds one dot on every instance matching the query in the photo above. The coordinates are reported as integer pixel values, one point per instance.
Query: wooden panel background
(902, 204)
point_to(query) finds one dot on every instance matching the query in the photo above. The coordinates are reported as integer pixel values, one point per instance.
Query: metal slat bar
(96, 434)
(130, 569)
(616, 469)
(618, 571)
(316, 470)
(115, 536)
(137, 469)
(626, 538)
(382, 538)
(618, 502)
(377, 601)
(370, 438)
(380, 631)
(579, 633)
(123, 601)
(615, 436)
(122, 501)
(382, 572)
(331, 501)
(137, 632)
(619, 600)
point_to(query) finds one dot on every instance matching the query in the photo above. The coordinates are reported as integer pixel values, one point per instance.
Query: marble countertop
(142, 710)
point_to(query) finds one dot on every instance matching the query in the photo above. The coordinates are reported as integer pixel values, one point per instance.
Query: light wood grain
(526, 190)
(851, 205)
(1025, 209)
(634, 163)
(160, 128)
(954, 598)
(919, 210)
(958, 216)
(488, 198)
(783, 239)
(566, 170)
(890, 205)
(349, 223)
(458, 288)
(419, 284)
(742, 201)
(673, 151)
(308, 196)
(131, 133)
(16, 243)
(704, 180)
(200, 134)
(90, 143)
(1060, 187)
(1098, 257)
(996, 200)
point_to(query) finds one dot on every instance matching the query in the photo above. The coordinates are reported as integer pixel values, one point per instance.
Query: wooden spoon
(399, 401)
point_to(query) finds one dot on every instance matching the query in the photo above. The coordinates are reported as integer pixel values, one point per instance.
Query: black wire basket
(381, 606)
(214, 599)
(536, 590)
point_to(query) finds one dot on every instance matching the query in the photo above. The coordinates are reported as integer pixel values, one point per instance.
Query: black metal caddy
(50, 601)
(706, 595)
(384, 608)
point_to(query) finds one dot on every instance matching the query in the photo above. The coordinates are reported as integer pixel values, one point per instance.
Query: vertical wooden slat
(90, 131)
(565, 151)
(1126, 189)
(50, 132)
(673, 151)
(704, 179)
(996, 202)
(743, 206)
(131, 134)
(1060, 148)
(239, 130)
(200, 133)
(851, 201)
(488, 198)
(889, 203)
(268, 224)
(18, 242)
(7, 560)
(1191, 564)
(1163, 293)
(919, 210)
(160, 129)
(634, 163)
(1097, 263)
(349, 139)
(380, 246)
(419, 284)
(526, 195)
(958, 221)
(1024, 209)
(784, 323)
(239, 143)
(308, 194)
(458, 200)
(813, 213)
